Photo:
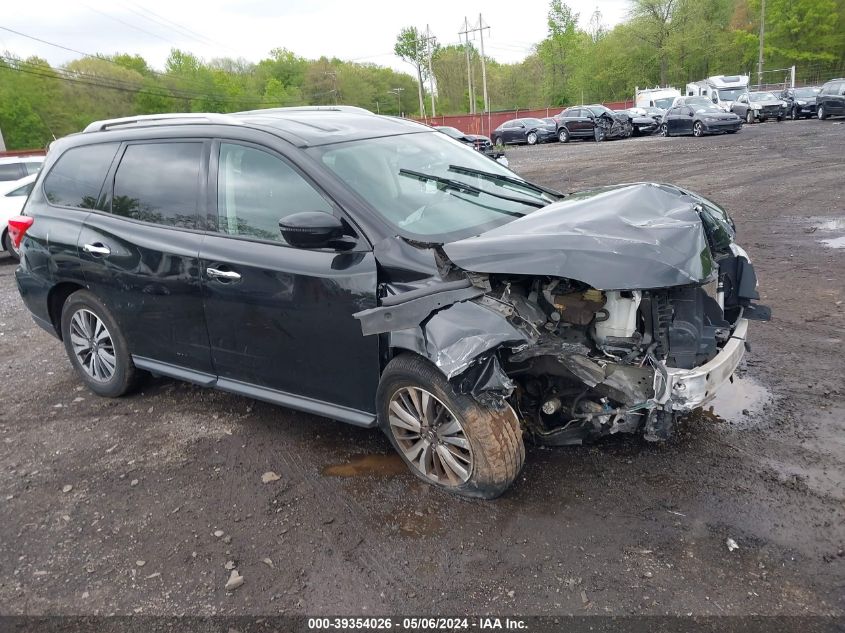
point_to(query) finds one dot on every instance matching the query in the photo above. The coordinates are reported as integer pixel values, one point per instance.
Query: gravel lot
(141, 505)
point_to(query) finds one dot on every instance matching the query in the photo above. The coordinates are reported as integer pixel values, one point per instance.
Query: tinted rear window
(77, 177)
(159, 182)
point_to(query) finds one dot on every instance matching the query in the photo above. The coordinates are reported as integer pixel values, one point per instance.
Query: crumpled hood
(627, 237)
(768, 102)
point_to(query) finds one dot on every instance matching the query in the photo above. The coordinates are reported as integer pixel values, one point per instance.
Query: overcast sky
(358, 31)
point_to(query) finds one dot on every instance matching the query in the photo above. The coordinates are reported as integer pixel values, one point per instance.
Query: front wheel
(794, 115)
(497, 142)
(749, 117)
(664, 130)
(96, 347)
(563, 135)
(531, 138)
(600, 134)
(446, 438)
(697, 129)
(821, 113)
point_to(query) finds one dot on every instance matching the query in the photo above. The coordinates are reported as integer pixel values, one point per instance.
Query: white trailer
(722, 90)
(655, 97)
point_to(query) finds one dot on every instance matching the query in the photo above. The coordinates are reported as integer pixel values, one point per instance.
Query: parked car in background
(458, 309)
(16, 167)
(699, 120)
(759, 106)
(642, 122)
(593, 121)
(721, 90)
(800, 102)
(13, 194)
(478, 142)
(655, 97)
(520, 131)
(831, 99)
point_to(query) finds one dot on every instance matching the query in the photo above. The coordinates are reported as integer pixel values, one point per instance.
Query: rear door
(685, 120)
(837, 101)
(280, 317)
(140, 254)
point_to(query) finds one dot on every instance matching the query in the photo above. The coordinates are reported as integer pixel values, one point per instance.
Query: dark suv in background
(371, 270)
(831, 99)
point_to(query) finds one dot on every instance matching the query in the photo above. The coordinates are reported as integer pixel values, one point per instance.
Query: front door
(140, 254)
(280, 317)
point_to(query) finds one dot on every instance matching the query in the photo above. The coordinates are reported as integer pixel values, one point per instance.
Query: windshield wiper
(508, 179)
(462, 186)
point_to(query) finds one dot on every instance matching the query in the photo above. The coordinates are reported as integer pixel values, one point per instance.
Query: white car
(16, 167)
(12, 196)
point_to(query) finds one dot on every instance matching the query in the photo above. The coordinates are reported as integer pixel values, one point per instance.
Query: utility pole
(417, 43)
(333, 75)
(398, 93)
(465, 33)
(481, 28)
(429, 44)
(762, 36)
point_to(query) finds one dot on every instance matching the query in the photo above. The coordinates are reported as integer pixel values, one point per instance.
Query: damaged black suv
(372, 270)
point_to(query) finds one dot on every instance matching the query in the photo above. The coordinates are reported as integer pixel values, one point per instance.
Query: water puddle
(836, 242)
(418, 524)
(736, 402)
(833, 225)
(373, 465)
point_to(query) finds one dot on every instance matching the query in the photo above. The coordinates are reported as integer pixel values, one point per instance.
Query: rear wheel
(9, 247)
(531, 138)
(447, 439)
(497, 141)
(697, 129)
(794, 114)
(96, 347)
(563, 135)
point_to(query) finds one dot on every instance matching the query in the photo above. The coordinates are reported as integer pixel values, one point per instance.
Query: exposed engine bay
(576, 357)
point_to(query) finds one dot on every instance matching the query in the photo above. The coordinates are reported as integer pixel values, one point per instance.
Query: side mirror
(311, 229)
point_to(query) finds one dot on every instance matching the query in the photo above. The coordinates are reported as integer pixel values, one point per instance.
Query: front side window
(9, 171)
(429, 188)
(159, 183)
(256, 189)
(78, 176)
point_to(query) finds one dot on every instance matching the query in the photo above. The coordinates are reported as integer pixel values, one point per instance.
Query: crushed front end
(611, 311)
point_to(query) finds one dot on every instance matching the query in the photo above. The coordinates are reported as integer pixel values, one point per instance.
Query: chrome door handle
(223, 275)
(97, 248)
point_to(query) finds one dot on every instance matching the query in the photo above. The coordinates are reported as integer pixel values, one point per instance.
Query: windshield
(762, 96)
(412, 182)
(730, 94)
(451, 131)
(806, 92)
(710, 108)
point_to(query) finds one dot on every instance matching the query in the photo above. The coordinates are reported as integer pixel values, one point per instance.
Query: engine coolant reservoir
(622, 316)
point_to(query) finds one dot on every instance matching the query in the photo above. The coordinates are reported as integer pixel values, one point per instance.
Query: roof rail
(181, 117)
(314, 108)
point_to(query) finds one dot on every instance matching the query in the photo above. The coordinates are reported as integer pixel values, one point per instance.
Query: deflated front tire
(446, 438)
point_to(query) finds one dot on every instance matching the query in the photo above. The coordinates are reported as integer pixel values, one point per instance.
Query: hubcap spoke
(430, 436)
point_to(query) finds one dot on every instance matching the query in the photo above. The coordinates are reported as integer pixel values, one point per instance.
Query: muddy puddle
(832, 225)
(737, 402)
(373, 465)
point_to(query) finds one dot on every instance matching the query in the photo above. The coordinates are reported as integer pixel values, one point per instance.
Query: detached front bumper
(687, 389)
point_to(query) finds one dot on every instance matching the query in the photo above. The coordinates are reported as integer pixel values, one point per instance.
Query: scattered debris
(235, 580)
(267, 562)
(218, 533)
(732, 545)
(511, 593)
(140, 563)
(269, 476)
(230, 565)
(584, 598)
(133, 483)
(67, 488)
(155, 575)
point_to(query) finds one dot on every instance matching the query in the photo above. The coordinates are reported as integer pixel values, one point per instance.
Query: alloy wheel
(749, 117)
(532, 138)
(92, 344)
(821, 113)
(697, 130)
(664, 130)
(430, 436)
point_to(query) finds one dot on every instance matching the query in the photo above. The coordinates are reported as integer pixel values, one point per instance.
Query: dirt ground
(140, 505)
